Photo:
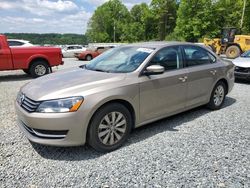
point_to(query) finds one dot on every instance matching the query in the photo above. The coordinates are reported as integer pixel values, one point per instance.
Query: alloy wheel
(219, 95)
(112, 128)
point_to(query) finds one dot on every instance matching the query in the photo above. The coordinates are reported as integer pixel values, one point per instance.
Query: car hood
(72, 82)
(242, 62)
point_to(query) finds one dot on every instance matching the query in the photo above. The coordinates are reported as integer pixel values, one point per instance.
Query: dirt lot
(198, 148)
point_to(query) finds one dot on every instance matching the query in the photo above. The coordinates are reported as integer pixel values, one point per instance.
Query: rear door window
(70, 48)
(195, 56)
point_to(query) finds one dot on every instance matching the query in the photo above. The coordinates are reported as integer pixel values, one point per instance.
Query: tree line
(183, 20)
(50, 39)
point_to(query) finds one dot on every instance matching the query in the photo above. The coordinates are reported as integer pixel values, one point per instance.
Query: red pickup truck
(35, 61)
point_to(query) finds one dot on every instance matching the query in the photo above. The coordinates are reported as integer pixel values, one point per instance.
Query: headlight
(71, 104)
(19, 97)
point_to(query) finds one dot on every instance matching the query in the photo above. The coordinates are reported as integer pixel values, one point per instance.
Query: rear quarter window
(15, 43)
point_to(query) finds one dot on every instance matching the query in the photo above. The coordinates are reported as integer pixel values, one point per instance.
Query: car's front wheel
(218, 96)
(110, 127)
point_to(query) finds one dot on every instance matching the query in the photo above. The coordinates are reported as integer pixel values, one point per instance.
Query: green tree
(106, 23)
(165, 14)
(195, 19)
(141, 25)
(189, 20)
(228, 13)
(205, 18)
(246, 18)
(246, 23)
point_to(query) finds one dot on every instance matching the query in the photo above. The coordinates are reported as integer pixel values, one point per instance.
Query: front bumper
(242, 75)
(56, 129)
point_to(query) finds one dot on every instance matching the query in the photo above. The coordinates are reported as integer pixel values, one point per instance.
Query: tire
(88, 57)
(26, 71)
(39, 68)
(106, 136)
(218, 96)
(233, 52)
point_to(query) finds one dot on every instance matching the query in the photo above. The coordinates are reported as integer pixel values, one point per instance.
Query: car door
(164, 94)
(66, 52)
(78, 49)
(202, 74)
(71, 50)
(5, 58)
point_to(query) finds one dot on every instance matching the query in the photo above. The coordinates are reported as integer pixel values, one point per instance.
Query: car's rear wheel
(39, 68)
(110, 127)
(88, 57)
(218, 96)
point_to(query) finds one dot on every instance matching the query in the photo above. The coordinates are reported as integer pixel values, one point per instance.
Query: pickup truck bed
(36, 61)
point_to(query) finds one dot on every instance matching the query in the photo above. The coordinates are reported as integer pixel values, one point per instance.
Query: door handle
(183, 79)
(213, 72)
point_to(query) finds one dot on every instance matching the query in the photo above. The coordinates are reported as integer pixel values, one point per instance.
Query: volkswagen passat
(124, 88)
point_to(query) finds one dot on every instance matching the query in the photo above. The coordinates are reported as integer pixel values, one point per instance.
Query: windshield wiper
(82, 66)
(99, 70)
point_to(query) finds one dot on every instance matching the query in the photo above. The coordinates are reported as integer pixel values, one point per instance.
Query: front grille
(29, 105)
(242, 69)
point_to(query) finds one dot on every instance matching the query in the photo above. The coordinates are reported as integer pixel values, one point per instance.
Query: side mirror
(154, 70)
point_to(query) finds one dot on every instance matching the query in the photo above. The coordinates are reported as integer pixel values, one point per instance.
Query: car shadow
(168, 124)
(242, 81)
(11, 78)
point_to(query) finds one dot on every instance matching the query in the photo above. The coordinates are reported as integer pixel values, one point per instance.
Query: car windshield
(246, 54)
(120, 60)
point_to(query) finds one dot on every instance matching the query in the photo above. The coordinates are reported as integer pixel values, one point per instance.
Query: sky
(50, 16)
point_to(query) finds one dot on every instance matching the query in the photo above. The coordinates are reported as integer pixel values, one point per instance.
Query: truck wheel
(233, 52)
(88, 57)
(39, 68)
(26, 71)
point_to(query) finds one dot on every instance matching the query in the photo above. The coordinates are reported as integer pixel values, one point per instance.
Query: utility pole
(114, 31)
(243, 14)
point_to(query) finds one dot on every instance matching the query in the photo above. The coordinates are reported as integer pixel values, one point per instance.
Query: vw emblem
(22, 98)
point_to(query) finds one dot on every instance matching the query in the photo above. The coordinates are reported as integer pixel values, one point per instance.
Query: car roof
(74, 45)
(160, 44)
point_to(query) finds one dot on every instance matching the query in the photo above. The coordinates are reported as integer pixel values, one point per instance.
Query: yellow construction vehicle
(230, 44)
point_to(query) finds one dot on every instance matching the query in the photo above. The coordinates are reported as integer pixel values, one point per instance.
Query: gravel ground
(198, 148)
